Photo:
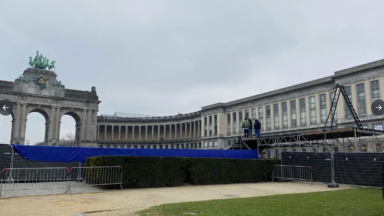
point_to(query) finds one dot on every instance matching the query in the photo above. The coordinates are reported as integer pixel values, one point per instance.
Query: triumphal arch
(39, 90)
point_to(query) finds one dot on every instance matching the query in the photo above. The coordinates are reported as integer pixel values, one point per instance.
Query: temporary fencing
(290, 172)
(58, 177)
(98, 175)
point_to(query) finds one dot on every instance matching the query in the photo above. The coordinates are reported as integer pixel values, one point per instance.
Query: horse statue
(30, 62)
(52, 65)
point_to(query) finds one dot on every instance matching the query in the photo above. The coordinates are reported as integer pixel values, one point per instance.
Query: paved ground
(29, 189)
(126, 202)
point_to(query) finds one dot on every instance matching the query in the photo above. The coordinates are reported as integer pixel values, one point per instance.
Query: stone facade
(219, 124)
(52, 102)
(298, 108)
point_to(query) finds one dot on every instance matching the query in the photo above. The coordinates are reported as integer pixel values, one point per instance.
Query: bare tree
(67, 140)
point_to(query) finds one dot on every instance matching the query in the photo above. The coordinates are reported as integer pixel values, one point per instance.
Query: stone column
(105, 132)
(139, 132)
(186, 131)
(307, 111)
(133, 132)
(58, 123)
(170, 132)
(153, 130)
(289, 117)
(23, 121)
(126, 133)
(51, 126)
(194, 129)
(146, 132)
(119, 133)
(165, 132)
(158, 133)
(94, 123)
(368, 96)
(199, 128)
(181, 130)
(176, 131)
(318, 109)
(83, 126)
(190, 130)
(16, 129)
(113, 133)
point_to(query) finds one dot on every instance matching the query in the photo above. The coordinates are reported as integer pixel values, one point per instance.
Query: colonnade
(148, 132)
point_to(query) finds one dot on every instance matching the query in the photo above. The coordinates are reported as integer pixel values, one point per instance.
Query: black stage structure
(352, 165)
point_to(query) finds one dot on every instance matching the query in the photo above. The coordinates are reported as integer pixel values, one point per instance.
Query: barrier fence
(291, 172)
(59, 177)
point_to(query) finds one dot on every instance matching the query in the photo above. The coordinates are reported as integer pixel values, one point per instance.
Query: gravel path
(126, 202)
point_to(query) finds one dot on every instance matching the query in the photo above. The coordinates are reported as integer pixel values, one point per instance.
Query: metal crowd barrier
(33, 178)
(98, 175)
(291, 172)
(59, 177)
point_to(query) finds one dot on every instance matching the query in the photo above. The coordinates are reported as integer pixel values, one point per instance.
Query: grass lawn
(361, 202)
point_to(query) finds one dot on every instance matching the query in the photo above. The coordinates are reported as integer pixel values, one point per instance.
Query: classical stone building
(39, 91)
(298, 108)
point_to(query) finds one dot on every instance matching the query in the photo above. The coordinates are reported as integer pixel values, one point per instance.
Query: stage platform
(304, 139)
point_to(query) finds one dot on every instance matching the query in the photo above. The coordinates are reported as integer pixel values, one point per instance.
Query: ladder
(332, 112)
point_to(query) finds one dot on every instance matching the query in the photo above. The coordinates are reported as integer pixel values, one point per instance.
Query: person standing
(245, 127)
(250, 127)
(257, 127)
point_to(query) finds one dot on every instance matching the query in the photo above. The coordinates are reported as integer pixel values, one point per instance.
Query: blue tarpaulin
(79, 154)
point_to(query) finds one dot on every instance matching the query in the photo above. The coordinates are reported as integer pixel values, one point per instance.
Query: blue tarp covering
(79, 154)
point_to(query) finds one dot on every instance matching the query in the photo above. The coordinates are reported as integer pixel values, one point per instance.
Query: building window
(332, 94)
(323, 108)
(205, 144)
(228, 124)
(253, 112)
(240, 121)
(304, 150)
(215, 123)
(294, 150)
(378, 127)
(234, 123)
(261, 117)
(312, 109)
(246, 113)
(285, 114)
(210, 144)
(293, 114)
(268, 110)
(303, 120)
(269, 153)
(205, 127)
(361, 105)
(375, 90)
(276, 153)
(348, 91)
(215, 143)
(276, 116)
(210, 125)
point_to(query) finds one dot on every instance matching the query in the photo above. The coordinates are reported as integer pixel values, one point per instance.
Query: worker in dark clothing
(257, 127)
(250, 128)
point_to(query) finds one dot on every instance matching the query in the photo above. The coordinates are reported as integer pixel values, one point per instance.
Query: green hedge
(382, 178)
(144, 172)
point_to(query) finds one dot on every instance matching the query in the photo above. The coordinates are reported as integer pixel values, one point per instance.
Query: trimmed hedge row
(145, 172)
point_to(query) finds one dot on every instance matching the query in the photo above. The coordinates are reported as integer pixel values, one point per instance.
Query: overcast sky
(168, 57)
